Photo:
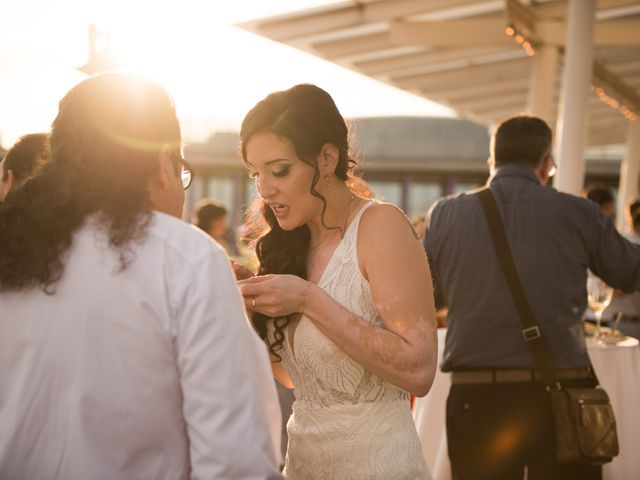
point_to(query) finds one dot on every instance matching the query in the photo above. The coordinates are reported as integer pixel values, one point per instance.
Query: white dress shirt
(152, 372)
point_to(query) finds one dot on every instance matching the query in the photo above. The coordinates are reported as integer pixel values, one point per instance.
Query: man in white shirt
(125, 351)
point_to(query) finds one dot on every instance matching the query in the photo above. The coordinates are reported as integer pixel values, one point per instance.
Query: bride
(343, 296)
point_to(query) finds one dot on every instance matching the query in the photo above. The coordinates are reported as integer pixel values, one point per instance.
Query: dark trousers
(495, 430)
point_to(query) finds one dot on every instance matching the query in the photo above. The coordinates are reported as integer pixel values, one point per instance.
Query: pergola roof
(457, 52)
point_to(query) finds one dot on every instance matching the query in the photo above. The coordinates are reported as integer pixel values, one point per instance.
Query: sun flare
(214, 71)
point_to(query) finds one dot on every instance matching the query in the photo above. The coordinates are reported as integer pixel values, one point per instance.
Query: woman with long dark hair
(125, 351)
(343, 295)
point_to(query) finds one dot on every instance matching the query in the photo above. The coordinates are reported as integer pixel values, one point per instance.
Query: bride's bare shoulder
(387, 220)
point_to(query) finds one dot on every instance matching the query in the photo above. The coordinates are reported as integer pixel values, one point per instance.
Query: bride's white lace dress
(347, 423)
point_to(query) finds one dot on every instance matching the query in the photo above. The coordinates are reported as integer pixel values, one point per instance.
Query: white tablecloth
(618, 369)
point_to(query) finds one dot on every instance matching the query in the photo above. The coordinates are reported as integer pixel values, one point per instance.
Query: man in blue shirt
(498, 412)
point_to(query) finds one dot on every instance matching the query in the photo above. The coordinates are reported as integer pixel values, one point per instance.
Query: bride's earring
(327, 180)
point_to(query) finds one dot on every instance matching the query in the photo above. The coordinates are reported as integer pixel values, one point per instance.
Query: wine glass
(599, 295)
(616, 332)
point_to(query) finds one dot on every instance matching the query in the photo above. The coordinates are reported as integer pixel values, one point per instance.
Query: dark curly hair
(306, 116)
(105, 143)
(26, 156)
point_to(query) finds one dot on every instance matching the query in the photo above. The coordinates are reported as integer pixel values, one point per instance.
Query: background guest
(211, 216)
(602, 195)
(499, 417)
(22, 161)
(633, 206)
(624, 311)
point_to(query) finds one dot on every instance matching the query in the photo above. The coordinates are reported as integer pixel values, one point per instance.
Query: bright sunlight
(214, 71)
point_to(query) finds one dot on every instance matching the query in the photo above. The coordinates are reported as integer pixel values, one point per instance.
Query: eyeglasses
(186, 171)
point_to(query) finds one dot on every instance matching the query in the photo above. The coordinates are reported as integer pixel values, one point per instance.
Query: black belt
(515, 376)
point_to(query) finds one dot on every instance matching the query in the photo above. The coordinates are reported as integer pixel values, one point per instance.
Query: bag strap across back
(531, 331)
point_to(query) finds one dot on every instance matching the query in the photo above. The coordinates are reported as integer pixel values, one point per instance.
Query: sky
(215, 71)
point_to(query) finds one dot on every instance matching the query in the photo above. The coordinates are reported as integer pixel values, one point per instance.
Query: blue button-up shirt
(554, 238)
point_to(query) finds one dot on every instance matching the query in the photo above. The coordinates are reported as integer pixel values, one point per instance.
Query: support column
(629, 174)
(407, 180)
(543, 83)
(571, 129)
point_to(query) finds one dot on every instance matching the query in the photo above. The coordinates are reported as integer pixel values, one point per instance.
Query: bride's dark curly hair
(105, 143)
(306, 116)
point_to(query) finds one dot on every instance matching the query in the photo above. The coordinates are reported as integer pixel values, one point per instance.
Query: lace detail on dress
(347, 423)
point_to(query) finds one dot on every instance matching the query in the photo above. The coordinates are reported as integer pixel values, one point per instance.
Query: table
(618, 369)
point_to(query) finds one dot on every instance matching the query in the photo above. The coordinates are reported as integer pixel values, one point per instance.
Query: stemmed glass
(616, 332)
(599, 295)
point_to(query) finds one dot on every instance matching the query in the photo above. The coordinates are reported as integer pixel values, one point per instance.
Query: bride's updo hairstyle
(306, 116)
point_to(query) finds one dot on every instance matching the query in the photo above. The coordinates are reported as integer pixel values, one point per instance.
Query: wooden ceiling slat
(300, 25)
(477, 104)
(477, 89)
(491, 31)
(438, 78)
(431, 56)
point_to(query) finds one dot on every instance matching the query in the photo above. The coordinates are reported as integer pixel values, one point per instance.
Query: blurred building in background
(408, 161)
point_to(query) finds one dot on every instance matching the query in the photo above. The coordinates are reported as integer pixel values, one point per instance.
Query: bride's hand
(241, 272)
(274, 295)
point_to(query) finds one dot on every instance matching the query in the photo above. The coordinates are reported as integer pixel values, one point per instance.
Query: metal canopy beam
(491, 31)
